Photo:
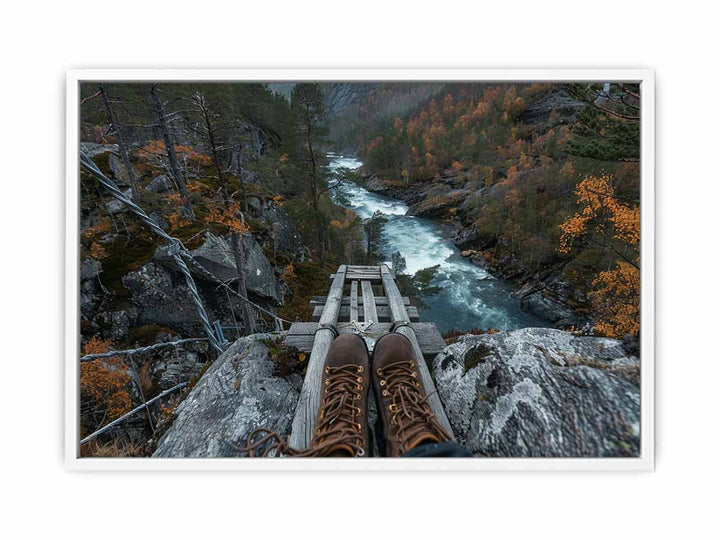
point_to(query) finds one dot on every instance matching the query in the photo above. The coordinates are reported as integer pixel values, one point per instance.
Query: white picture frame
(646, 78)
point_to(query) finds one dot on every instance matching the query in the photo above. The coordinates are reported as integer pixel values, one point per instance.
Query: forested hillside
(541, 183)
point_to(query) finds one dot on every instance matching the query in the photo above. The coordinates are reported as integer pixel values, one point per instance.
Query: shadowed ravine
(470, 297)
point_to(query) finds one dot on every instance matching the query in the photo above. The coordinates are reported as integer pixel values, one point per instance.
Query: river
(470, 297)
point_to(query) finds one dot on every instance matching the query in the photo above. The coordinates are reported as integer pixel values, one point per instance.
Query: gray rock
(176, 365)
(116, 324)
(339, 96)
(90, 270)
(560, 102)
(95, 149)
(162, 299)
(160, 184)
(237, 394)
(117, 167)
(547, 308)
(158, 218)
(216, 255)
(284, 233)
(255, 205)
(250, 177)
(115, 206)
(539, 392)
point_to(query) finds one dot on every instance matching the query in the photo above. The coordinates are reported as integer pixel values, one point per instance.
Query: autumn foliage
(153, 153)
(607, 222)
(104, 380)
(616, 300)
(601, 210)
(230, 216)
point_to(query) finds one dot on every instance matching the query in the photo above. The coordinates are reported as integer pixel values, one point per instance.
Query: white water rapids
(470, 297)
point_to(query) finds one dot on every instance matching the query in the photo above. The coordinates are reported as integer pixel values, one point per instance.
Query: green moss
(126, 255)
(312, 279)
(286, 360)
(147, 334)
(476, 356)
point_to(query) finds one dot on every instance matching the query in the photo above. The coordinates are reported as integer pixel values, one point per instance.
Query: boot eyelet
(414, 374)
(360, 453)
(379, 371)
(417, 384)
(327, 381)
(360, 369)
(386, 393)
(382, 383)
(393, 408)
(360, 379)
(327, 369)
(359, 387)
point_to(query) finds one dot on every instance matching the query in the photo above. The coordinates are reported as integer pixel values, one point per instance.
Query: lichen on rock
(539, 392)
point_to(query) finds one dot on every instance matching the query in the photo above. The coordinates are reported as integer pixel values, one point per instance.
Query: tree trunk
(239, 254)
(242, 185)
(315, 192)
(121, 143)
(170, 149)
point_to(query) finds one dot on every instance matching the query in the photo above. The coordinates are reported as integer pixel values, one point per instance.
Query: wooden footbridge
(352, 306)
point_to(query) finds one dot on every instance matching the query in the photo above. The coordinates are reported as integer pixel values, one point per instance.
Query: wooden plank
(354, 314)
(382, 314)
(400, 314)
(366, 274)
(301, 335)
(369, 303)
(303, 328)
(360, 277)
(379, 300)
(309, 402)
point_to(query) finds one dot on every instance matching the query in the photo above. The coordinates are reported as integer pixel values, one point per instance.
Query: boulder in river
(237, 394)
(539, 392)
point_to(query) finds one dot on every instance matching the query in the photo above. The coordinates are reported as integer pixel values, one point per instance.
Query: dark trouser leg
(442, 449)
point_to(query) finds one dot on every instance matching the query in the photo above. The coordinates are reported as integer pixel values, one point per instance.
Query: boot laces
(339, 424)
(409, 410)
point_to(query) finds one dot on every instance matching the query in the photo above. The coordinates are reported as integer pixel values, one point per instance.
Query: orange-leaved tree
(230, 216)
(104, 380)
(605, 221)
(616, 300)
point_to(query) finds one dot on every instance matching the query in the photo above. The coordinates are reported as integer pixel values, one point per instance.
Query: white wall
(39, 43)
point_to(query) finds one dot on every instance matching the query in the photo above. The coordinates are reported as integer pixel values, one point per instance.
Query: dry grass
(115, 448)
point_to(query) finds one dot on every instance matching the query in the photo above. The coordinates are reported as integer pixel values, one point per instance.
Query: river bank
(542, 294)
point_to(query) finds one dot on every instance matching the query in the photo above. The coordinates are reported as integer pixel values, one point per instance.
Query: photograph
(270, 269)
(454, 261)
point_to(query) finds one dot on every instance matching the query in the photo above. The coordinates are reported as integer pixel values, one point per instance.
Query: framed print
(360, 269)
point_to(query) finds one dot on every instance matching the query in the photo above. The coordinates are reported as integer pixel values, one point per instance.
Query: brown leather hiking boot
(406, 415)
(341, 429)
